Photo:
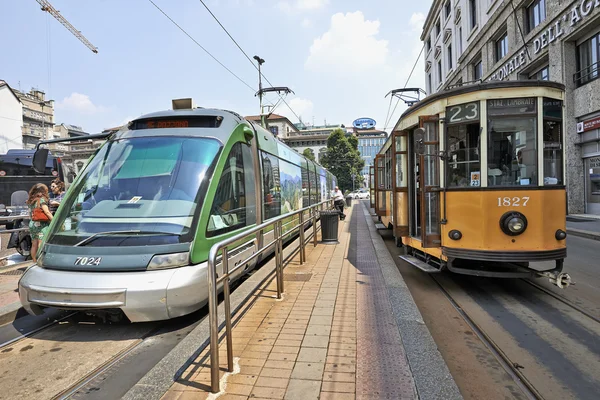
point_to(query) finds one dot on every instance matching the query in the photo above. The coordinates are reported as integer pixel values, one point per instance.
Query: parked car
(360, 194)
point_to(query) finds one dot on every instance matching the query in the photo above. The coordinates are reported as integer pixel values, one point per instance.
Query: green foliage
(343, 159)
(309, 153)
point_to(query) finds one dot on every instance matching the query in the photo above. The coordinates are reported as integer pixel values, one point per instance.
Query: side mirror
(40, 157)
(419, 144)
(248, 134)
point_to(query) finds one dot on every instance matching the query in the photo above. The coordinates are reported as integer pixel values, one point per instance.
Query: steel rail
(36, 330)
(520, 380)
(563, 300)
(214, 279)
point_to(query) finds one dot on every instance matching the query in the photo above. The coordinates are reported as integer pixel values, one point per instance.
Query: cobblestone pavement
(331, 337)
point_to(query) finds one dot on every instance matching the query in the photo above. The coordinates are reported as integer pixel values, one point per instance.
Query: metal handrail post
(227, 307)
(301, 235)
(280, 244)
(315, 227)
(213, 319)
(276, 236)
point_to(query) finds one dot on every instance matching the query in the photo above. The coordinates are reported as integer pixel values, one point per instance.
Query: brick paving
(331, 337)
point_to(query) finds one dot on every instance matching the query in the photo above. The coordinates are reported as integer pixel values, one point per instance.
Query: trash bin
(329, 226)
(348, 201)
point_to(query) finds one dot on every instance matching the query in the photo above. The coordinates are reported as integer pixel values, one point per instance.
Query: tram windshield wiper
(128, 232)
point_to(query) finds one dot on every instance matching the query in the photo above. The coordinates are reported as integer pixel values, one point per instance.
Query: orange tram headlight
(513, 223)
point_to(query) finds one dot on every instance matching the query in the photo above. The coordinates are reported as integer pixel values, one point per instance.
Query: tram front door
(425, 214)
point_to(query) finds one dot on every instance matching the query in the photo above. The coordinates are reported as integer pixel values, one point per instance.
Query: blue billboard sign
(364, 123)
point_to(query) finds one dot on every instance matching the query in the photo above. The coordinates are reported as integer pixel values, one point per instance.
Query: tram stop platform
(346, 328)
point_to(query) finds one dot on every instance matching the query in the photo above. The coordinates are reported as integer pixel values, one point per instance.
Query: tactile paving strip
(382, 370)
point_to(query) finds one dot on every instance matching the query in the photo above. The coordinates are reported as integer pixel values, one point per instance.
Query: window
(553, 149)
(437, 28)
(588, 57)
(234, 203)
(271, 191)
(536, 13)
(512, 142)
(473, 13)
(501, 46)
(449, 57)
(439, 71)
(463, 144)
(274, 130)
(541, 75)
(428, 45)
(477, 71)
(447, 9)
(459, 42)
(429, 86)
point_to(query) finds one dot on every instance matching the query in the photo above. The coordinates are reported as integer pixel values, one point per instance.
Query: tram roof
(478, 87)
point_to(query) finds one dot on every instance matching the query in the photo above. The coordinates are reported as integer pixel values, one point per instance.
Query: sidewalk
(584, 225)
(346, 328)
(9, 295)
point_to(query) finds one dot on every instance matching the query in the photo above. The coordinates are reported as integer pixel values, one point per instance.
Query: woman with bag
(40, 216)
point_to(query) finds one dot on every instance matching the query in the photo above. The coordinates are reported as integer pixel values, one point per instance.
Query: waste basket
(329, 226)
(348, 201)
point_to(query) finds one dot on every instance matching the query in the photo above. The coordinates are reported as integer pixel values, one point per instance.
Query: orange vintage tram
(472, 180)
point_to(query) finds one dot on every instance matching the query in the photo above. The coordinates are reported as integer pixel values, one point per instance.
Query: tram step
(380, 226)
(420, 264)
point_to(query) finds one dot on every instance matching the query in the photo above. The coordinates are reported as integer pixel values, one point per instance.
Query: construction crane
(46, 6)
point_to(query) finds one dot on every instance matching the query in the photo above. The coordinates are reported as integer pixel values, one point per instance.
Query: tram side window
(271, 189)
(233, 206)
(463, 139)
(305, 188)
(512, 143)
(553, 148)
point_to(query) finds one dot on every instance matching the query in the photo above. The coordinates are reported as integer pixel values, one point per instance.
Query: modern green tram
(135, 228)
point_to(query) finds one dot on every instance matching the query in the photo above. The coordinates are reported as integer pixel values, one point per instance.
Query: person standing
(338, 202)
(57, 187)
(40, 216)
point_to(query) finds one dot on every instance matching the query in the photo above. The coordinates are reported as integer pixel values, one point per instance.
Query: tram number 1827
(513, 202)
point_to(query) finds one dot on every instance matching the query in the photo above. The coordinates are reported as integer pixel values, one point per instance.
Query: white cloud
(81, 103)
(306, 23)
(416, 21)
(291, 5)
(302, 107)
(349, 45)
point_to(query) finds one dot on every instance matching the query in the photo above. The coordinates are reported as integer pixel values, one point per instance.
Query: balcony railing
(587, 74)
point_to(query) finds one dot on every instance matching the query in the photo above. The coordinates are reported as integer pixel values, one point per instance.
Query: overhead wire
(202, 47)
(405, 84)
(248, 57)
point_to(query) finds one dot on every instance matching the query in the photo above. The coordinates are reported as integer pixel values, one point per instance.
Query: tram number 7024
(88, 260)
(513, 201)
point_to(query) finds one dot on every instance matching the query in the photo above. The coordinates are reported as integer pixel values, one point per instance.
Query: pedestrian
(338, 202)
(40, 216)
(57, 187)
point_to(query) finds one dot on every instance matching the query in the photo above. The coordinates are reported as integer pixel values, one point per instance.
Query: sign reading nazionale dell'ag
(561, 26)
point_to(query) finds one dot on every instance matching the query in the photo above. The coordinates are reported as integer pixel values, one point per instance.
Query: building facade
(469, 41)
(369, 144)
(313, 137)
(279, 125)
(11, 119)
(38, 117)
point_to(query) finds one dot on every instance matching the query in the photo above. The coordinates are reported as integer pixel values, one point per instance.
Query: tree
(343, 159)
(309, 153)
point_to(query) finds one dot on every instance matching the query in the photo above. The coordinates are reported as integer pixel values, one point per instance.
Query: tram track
(509, 366)
(36, 330)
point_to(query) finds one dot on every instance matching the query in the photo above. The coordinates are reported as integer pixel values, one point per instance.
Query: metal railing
(587, 74)
(214, 279)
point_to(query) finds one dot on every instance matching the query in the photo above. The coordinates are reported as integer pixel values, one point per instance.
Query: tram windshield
(146, 184)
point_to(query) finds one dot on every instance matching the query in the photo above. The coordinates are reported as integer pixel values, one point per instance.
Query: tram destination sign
(462, 112)
(511, 106)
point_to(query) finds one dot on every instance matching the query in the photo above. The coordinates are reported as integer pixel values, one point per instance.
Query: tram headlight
(513, 223)
(455, 234)
(166, 261)
(560, 235)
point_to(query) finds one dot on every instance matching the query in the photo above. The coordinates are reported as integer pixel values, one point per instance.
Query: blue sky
(339, 56)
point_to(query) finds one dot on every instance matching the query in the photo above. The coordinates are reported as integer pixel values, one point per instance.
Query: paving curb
(584, 234)
(9, 312)
(430, 372)
(164, 374)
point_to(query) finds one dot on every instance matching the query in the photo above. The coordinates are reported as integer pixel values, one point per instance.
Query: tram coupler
(560, 279)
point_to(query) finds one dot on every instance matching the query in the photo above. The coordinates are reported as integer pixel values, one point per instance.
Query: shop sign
(588, 125)
(560, 27)
(595, 162)
(511, 106)
(366, 123)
